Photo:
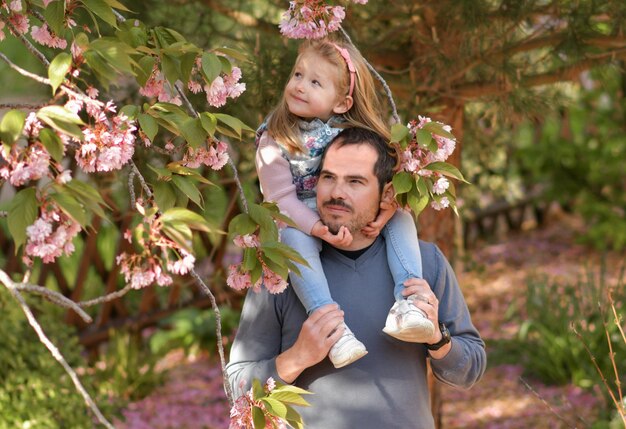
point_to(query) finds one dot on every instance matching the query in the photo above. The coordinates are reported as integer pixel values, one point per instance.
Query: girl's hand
(341, 239)
(387, 210)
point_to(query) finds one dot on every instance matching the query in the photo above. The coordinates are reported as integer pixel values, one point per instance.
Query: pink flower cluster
(241, 412)
(51, 235)
(310, 19)
(223, 87)
(415, 158)
(25, 164)
(18, 21)
(43, 36)
(216, 156)
(109, 143)
(240, 279)
(143, 269)
(157, 86)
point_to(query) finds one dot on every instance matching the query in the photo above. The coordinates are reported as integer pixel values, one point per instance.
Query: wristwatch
(445, 338)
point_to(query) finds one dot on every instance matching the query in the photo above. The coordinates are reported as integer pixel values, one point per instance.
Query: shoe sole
(416, 334)
(352, 358)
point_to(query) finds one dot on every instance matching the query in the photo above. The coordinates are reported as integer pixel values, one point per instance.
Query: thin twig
(131, 187)
(106, 298)
(604, 380)
(144, 185)
(41, 57)
(220, 343)
(21, 106)
(546, 403)
(394, 110)
(56, 298)
(9, 284)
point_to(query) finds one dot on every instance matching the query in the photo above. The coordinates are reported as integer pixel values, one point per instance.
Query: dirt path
(496, 280)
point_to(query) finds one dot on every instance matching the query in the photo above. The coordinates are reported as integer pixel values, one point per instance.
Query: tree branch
(11, 286)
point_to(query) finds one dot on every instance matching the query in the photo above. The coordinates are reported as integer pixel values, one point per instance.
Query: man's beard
(354, 224)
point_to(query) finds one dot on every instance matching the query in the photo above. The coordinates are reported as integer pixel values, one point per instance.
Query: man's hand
(318, 334)
(387, 210)
(343, 238)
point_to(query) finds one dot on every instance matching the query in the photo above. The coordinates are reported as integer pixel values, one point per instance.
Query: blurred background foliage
(535, 89)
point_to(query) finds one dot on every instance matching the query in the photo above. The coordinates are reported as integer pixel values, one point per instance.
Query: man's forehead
(350, 160)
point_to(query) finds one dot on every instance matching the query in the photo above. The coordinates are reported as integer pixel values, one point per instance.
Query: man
(388, 387)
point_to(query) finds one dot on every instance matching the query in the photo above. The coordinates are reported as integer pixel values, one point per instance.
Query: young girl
(330, 88)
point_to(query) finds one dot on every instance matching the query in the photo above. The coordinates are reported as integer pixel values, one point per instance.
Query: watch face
(445, 338)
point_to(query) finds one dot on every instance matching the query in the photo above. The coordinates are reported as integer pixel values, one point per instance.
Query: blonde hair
(365, 111)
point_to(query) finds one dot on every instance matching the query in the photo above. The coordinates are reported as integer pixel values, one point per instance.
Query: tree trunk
(439, 227)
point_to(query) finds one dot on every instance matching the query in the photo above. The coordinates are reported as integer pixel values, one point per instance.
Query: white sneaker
(408, 323)
(347, 349)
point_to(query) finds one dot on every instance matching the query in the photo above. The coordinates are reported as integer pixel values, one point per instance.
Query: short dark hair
(386, 162)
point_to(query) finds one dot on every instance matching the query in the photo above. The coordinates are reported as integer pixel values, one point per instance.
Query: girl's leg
(312, 289)
(405, 321)
(403, 251)
(311, 285)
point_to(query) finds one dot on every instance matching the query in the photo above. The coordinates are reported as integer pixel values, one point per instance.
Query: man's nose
(338, 191)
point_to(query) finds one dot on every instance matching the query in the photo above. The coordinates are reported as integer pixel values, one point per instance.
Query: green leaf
(12, 125)
(399, 132)
(227, 67)
(417, 203)
(171, 68)
(209, 122)
(268, 230)
(59, 67)
(192, 219)
(250, 259)
(131, 111)
(437, 128)
(71, 207)
(290, 398)
(258, 418)
(115, 53)
(193, 132)
(61, 119)
(179, 234)
(232, 53)
(162, 173)
(275, 407)
(53, 144)
(22, 213)
(148, 125)
(257, 389)
(55, 16)
(164, 195)
(211, 66)
(187, 62)
(188, 188)
(144, 69)
(117, 5)
(447, 170)
(423, 137)
(242, 224)
(285, 251)
(402, 182)
(101, 9)
(422, 186)
(236, 124)
(256, 272)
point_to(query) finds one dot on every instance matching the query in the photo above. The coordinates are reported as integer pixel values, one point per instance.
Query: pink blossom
(224, 87)
(19, 22)
(108, 144)
(2, 35)
(236, 279)
(441, 185)
(16, 5)
(46, 2)
(310, 19)
(241, 412)
(77, 52)
(25, 164)
(32, 126)
(216, 156)
(247, 240)
(51, 235)
(43, 36)
(441, 204)
(273, 282)
(183, 265)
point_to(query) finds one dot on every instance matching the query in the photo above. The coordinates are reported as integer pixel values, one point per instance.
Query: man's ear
(388, 194)
(344, 105)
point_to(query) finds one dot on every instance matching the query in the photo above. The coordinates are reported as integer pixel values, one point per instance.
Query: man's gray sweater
(385, 389)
